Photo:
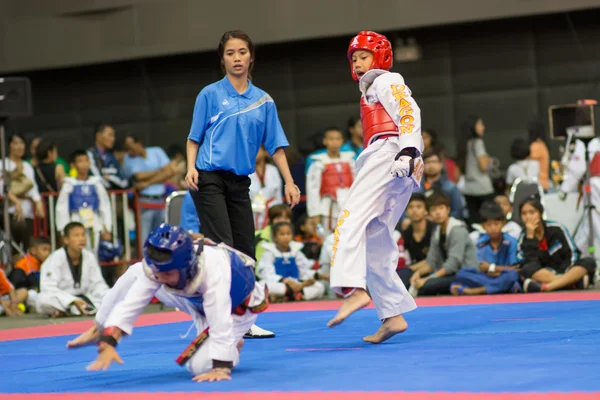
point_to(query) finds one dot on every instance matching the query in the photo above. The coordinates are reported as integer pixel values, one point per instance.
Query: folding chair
(520, 190)
(173, 207)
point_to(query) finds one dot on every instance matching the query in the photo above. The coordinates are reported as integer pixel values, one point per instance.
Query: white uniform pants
(365, 253)
(313, 292)
(200, 362)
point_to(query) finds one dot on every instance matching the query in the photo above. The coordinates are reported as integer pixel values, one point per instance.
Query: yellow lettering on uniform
(336, 234)
(404, 103)
(419, 168)
(406, 111)
(407, 120)
(404, 129)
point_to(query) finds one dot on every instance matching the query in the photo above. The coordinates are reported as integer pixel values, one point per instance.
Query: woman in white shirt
(523, 167)
(24, 196)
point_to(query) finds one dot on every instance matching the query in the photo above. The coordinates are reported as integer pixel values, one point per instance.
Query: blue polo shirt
(230, 127)
(506, 254)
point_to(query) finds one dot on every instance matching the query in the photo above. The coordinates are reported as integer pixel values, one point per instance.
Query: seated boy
(10, 298)
(497, 255)
(417, 237)
(450, 250)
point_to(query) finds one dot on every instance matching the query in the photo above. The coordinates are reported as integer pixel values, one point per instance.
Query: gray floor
(37, 320)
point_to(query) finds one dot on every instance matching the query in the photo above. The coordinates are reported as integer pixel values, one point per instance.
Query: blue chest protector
(83, 196)
(242, 284)
(286, 267)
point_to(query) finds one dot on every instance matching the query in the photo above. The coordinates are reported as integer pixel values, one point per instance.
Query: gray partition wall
(506, 71)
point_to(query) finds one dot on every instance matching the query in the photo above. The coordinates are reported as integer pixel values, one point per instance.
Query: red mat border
(72, 328)
(304, 395)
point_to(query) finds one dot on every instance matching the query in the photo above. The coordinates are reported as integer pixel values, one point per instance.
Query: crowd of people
(387, 216)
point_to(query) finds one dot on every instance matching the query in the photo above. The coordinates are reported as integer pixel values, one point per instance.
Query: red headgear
(377, 44)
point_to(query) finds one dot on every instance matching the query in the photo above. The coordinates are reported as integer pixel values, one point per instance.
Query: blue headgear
(180, 244)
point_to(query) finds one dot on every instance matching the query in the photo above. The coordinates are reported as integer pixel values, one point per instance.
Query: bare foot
(87, 338)
(240, 344)
(390, 327)
(359, 299)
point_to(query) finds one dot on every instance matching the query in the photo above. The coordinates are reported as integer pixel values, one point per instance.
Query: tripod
(588, 207)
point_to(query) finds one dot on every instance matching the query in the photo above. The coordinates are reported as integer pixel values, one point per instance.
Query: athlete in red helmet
(389, 169)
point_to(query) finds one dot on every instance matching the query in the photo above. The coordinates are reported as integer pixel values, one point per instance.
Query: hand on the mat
(213, 376)
(105, 358)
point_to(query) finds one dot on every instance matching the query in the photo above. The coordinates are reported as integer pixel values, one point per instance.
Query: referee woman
(232, 118)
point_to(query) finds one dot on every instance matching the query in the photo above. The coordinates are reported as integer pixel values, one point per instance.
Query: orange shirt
(28, 264)
(539, 151)
(5, 285)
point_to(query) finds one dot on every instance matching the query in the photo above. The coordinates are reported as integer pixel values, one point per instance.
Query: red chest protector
(335, 176)
(375, 120)
(595, 165)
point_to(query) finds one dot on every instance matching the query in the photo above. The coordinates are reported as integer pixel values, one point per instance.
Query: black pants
(224, 209)
(432, 287)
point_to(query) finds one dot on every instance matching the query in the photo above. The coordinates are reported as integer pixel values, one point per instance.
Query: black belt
(152, 197)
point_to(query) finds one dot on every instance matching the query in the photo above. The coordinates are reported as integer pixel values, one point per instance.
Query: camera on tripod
(580, 162)
(569, 123)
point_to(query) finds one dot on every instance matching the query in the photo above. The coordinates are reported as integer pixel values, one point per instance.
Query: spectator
(26, 273)
(548, 256)
(286, 270)
(49, 175)
(451, 249)
(71, 282)
(431, 144)
(352, 147)
(497, 256)
(34, 160)
(417, 237)
(278, 213)
(103, 162)
(23, 193)
(10, 299)
(434, 181)
(328, 180)
(84, 199)
(510, 227)
(539, 151)
(177, 156)
(266, 188)
(474, 163)
(150, 168)
(307, 234)
(522, 167)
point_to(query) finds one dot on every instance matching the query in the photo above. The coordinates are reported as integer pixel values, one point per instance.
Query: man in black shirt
(417, 236)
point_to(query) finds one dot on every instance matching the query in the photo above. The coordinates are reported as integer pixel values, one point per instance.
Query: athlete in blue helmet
(214, 284)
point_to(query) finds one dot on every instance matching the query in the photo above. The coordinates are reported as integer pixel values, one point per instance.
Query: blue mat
(541, 347)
